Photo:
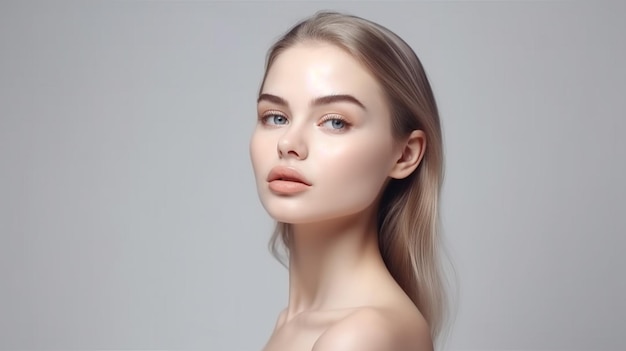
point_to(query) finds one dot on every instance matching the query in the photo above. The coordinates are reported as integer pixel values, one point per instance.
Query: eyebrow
(322, 100)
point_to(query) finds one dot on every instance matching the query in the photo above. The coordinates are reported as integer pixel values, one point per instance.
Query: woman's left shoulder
(377, 329)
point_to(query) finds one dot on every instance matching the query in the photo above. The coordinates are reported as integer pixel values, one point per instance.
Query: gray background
(128, 212)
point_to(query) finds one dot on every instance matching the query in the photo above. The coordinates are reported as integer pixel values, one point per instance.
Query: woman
(348, 159)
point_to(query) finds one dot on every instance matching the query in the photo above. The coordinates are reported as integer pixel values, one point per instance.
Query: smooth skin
(324, 115)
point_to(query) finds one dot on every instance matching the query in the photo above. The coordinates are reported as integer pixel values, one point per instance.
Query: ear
(412, 152)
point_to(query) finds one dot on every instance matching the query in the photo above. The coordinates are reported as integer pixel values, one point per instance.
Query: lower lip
(287, 187)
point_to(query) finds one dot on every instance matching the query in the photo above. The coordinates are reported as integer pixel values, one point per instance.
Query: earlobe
(412, 152)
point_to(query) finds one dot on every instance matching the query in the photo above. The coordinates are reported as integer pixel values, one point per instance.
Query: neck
(331, 264)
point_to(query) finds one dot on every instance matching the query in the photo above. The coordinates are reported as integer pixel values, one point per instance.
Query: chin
(309, 210)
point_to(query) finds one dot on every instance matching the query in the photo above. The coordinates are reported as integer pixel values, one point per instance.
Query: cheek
(260, 153)
(356, 168)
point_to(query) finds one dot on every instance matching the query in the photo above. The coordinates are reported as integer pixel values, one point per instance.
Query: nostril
(288, 147)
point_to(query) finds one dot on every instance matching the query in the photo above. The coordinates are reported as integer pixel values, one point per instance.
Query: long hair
(408, 216)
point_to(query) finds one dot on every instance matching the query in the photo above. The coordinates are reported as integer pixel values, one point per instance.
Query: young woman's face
(322, 148)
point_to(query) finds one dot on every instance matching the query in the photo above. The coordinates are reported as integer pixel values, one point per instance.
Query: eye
(335, 123)
(274, 119)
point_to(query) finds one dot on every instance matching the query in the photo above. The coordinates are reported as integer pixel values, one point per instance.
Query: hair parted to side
(408, 217)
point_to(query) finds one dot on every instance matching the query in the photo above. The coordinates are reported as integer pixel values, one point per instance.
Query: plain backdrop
(128, 211)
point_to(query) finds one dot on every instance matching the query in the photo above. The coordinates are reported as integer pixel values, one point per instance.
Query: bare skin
(341, 295)
(360, 306)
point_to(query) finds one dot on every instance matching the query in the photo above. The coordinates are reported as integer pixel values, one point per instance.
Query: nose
(292, 144)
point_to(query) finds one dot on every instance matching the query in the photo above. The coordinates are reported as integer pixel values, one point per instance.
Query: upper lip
(286, 173)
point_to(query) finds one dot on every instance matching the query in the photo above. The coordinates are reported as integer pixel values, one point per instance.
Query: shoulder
(374, 329)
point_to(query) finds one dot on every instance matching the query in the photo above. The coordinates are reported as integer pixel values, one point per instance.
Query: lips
(286, 174)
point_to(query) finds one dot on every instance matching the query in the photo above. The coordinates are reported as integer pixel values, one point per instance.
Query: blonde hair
(408, 216)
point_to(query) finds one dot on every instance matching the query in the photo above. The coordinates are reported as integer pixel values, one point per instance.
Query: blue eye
(335, 123)
(275, 119)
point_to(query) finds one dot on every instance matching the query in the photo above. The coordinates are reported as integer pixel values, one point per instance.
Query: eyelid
(332, 116)
(272, 113)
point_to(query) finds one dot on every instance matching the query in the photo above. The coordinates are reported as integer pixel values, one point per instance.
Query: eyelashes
(333, 122)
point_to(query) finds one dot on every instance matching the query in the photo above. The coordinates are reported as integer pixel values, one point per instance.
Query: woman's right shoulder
(376, 329)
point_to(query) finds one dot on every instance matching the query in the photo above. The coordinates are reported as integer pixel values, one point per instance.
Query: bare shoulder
(375, 329)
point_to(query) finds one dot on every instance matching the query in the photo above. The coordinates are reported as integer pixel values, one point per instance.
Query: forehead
(309, 70)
